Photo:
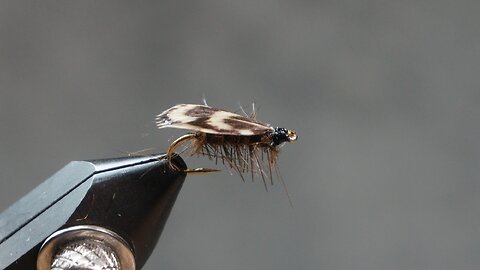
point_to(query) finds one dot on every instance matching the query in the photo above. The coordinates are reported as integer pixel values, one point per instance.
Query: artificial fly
(240, 142)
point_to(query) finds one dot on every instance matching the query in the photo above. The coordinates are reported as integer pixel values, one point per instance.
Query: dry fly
(240, 142)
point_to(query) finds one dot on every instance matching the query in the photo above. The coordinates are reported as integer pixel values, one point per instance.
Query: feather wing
(209, 120)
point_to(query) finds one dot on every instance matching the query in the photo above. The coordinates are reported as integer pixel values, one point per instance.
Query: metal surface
(130, 196)
(87, 254)
(85, 247)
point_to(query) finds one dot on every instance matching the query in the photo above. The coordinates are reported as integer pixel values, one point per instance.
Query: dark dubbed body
(272, 138)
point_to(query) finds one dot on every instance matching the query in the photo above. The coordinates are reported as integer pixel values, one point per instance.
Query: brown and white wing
(209, 120)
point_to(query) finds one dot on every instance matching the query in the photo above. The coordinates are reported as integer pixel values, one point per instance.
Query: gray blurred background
(383, 94)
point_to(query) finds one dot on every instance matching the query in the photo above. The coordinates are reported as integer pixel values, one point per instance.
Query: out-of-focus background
(385, 96)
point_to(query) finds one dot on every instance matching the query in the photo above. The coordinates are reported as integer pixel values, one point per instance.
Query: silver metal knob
(85, 247)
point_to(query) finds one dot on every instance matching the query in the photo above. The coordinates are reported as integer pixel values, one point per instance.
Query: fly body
(240, 142)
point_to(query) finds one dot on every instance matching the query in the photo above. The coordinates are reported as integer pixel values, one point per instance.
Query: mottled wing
(209, 120)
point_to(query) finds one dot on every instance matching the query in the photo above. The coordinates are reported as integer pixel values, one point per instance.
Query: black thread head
(281, 135)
